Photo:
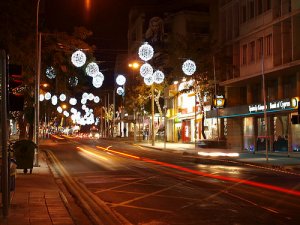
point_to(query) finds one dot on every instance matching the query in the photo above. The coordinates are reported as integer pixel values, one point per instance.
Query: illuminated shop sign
(274, 105)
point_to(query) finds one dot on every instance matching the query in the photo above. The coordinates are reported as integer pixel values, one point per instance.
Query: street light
(37, 85)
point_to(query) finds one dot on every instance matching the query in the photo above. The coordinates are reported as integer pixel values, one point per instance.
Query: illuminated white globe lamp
(62, 97)
(96, 99)
(149, 79)
(121, 79)
(120, 91)
(91, 97)
(85, 95)
(42, 97)
(59, 109)
(158, 77)
(146, 52)
(92, 69)
(50, 72)
(97, 81)
(47, 95)
(78, 58)
(146, 69)
(73, 101)
(189, 67)
(54, 100)
(83, 101)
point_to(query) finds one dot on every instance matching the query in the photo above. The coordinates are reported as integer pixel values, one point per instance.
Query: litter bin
(24, 154)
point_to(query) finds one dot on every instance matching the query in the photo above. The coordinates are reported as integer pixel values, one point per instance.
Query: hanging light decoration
(73, 81)
(59, 109)
(97, 81)
(91, 97)
(83, 101)
(120, 91)
(42, 97)
(78, 58)
(50, 72)
(146, 52)
(158, 77)
(148, 80)
(73, 101)
(92, 69)
(146, 69)
(66, 113)
(47, 95)
(85, 95)
(189, 67)
(96, 99)
(121, 80)
(62, 97)
(54, 100)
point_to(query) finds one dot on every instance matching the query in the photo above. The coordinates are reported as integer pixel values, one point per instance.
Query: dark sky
(107, 19)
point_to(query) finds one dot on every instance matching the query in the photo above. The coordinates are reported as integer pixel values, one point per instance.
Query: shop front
(246, 128)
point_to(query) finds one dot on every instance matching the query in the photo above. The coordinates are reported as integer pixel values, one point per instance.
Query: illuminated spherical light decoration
(73, 81)
(62, 97)
(54, 100)
(158, 77)
(42, 97)
(189, 67)
(96, 99)
(91, 97)
(120, 91)
(78, 58)
(47, 95)
(146, 52)
(83, 101)
(97, 81)
(50, 72)
(73, 101)
(83, 107)
(85, 95)
(73, 110)
(146, 69)
(59, 109)
(121, 80)
(148, 80)
(66, 113)
(92, 69)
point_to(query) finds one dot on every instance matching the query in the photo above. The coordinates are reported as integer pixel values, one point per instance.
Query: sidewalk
(281, 161)
(37, 199)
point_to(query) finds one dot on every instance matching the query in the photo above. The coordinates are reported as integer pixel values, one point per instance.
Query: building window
(259, 7)
(259, 48)
(251, 9)
(268, 40)
(252, 52)
(244, 54)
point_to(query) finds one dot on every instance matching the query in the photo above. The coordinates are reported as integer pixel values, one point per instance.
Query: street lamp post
(37, 85)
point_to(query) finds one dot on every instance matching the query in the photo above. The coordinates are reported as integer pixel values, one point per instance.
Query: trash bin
(24, 154)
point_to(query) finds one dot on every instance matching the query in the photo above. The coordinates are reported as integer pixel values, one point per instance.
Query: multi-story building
(261, 81)
(188, 20)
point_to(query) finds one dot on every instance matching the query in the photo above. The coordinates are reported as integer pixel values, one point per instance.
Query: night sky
(107, 19)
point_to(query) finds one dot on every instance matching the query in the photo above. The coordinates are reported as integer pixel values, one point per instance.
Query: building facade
(261, 82)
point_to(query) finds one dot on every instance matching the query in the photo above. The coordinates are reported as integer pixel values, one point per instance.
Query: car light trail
(56, 137)
(119, 153)
(92, 153)
(219, 177)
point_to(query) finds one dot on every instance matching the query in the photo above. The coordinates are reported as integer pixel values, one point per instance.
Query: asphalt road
(153, 187)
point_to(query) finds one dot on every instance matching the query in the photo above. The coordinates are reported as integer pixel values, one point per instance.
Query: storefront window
(249, 142)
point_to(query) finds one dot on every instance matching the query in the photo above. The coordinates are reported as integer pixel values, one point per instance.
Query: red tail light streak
(199, 173)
